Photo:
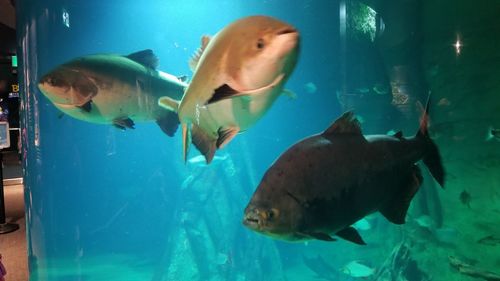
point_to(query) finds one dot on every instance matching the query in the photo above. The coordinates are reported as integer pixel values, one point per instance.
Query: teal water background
(106, 204)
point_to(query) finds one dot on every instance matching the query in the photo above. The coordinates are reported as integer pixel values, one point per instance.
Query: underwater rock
(400, 266)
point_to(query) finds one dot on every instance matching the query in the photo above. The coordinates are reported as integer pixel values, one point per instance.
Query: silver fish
(113, 89)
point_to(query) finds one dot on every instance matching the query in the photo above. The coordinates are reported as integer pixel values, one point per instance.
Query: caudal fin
(432, 158)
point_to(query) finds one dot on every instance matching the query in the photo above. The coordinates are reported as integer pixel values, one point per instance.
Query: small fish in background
(490, 240)
(310, 88)
(446, 235)
(465, 198)
(493, 134)
(380, 89)
(357, 270)
(289, 94)
(470, 270)
(363, 91)
(444, 102)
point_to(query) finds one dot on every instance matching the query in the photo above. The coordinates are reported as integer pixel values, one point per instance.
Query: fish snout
(287, 30)
(254, 218)
(288, 34)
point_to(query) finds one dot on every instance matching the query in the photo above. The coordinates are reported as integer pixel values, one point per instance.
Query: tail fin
(432, 158)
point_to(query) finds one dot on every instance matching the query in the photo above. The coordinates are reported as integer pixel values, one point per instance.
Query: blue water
(105, 204)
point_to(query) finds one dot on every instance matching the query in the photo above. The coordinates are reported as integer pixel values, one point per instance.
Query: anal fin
(351, 234)
(226, 135)
(168, 123)
(395, 209)
(205, 143)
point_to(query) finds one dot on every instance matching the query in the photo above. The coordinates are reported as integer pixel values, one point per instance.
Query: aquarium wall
(110, 196)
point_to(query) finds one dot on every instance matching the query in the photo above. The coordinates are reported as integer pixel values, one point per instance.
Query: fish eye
(53, 81)
(260, 43)
(270, 214)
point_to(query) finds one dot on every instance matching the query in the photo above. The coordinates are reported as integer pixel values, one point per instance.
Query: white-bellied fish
(114, 89)
(325, 183)
(357, 270)
(238, 74)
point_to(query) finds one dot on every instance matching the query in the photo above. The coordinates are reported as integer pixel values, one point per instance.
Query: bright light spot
(65, 17)
(458, 46)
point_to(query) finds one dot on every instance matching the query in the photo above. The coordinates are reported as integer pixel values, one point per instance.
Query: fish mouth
(287, 30)
(252, 220)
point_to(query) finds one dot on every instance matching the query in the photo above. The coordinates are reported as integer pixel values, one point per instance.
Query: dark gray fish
(325, 183)
(465, 198)
(489, 240)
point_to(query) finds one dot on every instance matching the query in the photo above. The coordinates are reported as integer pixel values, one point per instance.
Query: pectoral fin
(351, 234)
(232, 90)
(168, 103)
(223, 92)
(123, 123)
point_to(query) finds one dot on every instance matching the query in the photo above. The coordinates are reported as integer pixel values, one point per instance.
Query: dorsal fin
(193, 62)
(145, 57)
(347, 124)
